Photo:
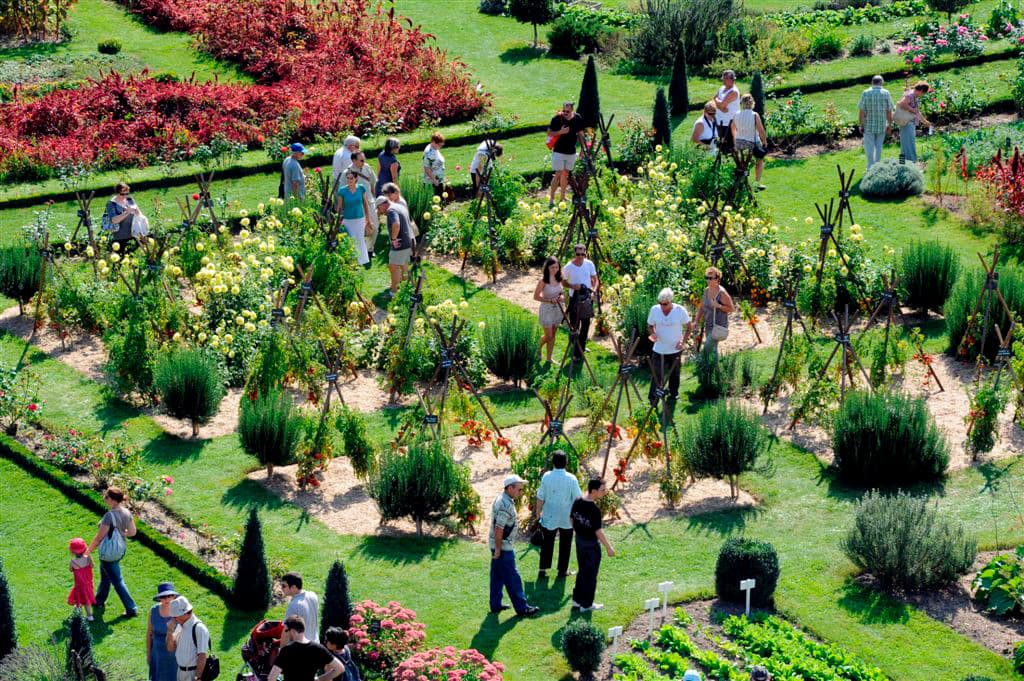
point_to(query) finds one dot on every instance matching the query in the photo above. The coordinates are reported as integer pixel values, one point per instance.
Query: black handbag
(537, 536)
(212, 669)
(759, 151)
(583, 303)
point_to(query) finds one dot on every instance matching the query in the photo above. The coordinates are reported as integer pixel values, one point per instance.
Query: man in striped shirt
(875, 118)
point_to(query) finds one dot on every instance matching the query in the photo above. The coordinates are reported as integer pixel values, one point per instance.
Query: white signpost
(747, 585)
(614, 633)
(664, 588)
(650, 605)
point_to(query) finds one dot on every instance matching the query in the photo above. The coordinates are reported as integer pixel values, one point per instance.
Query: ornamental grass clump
(906, 545)
(889, 179)
(582, 644)
(743, 558)
(269, 429)
(190, 385)
(19, 273)
(419, 484)
(723, 441)
(510, 346)
(887, 439)
(928, 271)
(963, 325)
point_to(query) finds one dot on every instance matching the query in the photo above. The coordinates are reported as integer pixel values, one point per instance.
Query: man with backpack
(189, 640)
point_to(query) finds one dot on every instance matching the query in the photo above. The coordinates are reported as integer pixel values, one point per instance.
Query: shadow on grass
(574, 614)
(167, 449)
(723, 523)
(522, 54)
(403, 550)
(994, 474)
(492, 630)
(548, 593)
(235, 629)
(246, 494)
(871, 606)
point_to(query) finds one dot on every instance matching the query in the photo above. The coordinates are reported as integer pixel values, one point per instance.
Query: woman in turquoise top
(354, 206)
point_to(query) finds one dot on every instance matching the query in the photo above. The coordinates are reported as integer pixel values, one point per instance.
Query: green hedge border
(176, 556)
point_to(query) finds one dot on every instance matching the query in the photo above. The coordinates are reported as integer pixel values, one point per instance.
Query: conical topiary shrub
(337, 608)
(252, 578)
(589, 105)
(8, 634)
(757, 92)
(19, 273)
(79, 645)
(662, 123)
(678, 88)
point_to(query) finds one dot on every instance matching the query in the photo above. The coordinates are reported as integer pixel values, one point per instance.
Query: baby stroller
(260, 651)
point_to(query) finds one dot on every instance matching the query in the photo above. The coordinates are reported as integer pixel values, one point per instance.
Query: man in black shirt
(564, 129)
(300, 659)
(586, 522)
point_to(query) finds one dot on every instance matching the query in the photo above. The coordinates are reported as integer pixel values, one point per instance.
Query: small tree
(8, 634)
(419, 484)
(757, 92)
(582, 644)
(269, 429)
(351, 426)
(79, 645)
(337, 608)
(190, 385)
(589, 104)
(536, 12)
(678, 88)
(948, 6)
(724, 441)
(662, 123)
(251, 590)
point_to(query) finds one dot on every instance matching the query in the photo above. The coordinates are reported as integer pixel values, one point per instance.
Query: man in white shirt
(343, 156)
(580, 277)
(188, 639)
(669, 327)
(305, 604)
(727, 103)
(558, 489)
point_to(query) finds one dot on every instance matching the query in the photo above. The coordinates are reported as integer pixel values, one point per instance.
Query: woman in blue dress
(162, 665)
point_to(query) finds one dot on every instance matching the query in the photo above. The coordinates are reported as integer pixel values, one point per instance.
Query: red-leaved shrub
(1006, 178)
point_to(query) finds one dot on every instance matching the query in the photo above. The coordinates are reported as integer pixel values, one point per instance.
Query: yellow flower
(426, 215)
(297, 212)
(435, 199)
(250, 327)
(114, 257)
(89, 251)
(199, 246)
(202, 337)
(245, 223)
(239, 320)
(116, 246)
(808, 220)
(228, 338)
(482, 325)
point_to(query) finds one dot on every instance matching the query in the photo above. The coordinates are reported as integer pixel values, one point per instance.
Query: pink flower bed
(384, 635)
(449, 664)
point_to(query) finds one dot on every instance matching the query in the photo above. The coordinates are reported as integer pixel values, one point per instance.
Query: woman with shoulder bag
(115, 526)
(748, 132)
(122, 217)
(716, 305)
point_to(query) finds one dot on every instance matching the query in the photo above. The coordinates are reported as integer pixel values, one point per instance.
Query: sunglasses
(711, 278)
(667, 302)
(581, 252)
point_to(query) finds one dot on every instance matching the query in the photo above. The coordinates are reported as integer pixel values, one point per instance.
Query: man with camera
(580, 277)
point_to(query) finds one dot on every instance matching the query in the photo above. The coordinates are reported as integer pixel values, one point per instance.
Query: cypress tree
(79, 647)
(678, 89)
(252, 579)
(757, 92)
(589, 104)
(8, 635)
(662, 124)
(337, 608)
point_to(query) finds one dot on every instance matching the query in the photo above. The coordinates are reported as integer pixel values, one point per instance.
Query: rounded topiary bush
(724, 441)
(742, 558)
(419, 484)
(108, 46)
(269, 429)
(510, 346)
(19, 273)
(582, 644)
(890, 179)
(928, 271)
(905, 544)
(190, 385)
(885, 439)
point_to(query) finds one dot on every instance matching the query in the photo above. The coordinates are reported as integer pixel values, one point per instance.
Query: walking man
(586, 520)
(558, 490)
(666, 323)
(875, 118)
(503, 532)
(188, 639)
(300, 659)
(580, 277)
(304, 604)
(563, 130)
(293, 182)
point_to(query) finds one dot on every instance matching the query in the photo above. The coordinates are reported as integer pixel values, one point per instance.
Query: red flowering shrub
(384, 635)
(1006, 178)
(445, 664)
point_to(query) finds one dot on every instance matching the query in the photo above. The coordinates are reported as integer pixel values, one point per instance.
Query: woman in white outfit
(354, 205)
(748, 132)
(549, 293)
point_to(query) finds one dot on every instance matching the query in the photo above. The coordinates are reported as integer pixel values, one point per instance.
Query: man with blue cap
(292, 179)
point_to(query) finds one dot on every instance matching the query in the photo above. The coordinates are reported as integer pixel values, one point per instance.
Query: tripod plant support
(792, 313)
(621, 386)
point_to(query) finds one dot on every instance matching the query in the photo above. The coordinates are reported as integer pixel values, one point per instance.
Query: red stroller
(260, 651)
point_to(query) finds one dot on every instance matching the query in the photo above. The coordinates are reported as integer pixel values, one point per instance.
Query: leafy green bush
(976, 677)
(999, 585)
(130, 350)
(189, 384)
(928, 271)
(723, 441)
(862, 46)
(826, 44)
(269, 429)
(352, 428)
(582, 644)
(633, 323)
(576, 33)
(959, 309)
(887, 439)
(905, 544)
(420, 483)
(19, 273)
(715, 375)
(252, 588)
(78, 647)
(492, 7)
(890, 179)
(108, 46)
(269, 366)
(743, 558)
(510, 346)
(1018, 658)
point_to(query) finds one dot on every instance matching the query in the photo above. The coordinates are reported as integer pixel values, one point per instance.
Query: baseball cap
(692, 675)
(77, 545)
(297, 146)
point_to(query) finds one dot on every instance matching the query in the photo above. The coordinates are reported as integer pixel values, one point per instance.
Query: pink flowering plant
(70, 450)
(383, 635)
(448, 664)
(961, 38)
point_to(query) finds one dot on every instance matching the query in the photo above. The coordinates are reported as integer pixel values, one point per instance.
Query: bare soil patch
(81, 351)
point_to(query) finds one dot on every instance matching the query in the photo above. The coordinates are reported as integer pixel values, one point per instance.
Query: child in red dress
(81, 593)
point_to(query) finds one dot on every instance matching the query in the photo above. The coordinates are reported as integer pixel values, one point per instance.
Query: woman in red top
(81, 594)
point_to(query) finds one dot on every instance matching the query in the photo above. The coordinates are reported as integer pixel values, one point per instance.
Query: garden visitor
(188, 639)
(503, 532)
(399, 232)
(727, 105)
(116, 526)
(388, 166)
(665, 324)
(705, 132)
(354, 205)
(367, 179)
(748, 133)
(343, 156)
(433, 164)
(580, 277)
(759, 673)
(162, 665)
(692, 675)
(586, 521)
(300, 659)
(549, 293)
(81, 594)
(336, 641)
(304, 604)
(563, 131)
(908, 116)
(716, 305)
(875, 109)
(555, 496)
(120, 215)
(483, 159)
(293, 182)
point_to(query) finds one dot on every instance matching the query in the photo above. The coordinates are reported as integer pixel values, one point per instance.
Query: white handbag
(140, 225)
(719, 333)
(903, 117)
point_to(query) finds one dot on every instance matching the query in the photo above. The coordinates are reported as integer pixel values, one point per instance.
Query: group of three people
(728, 121)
